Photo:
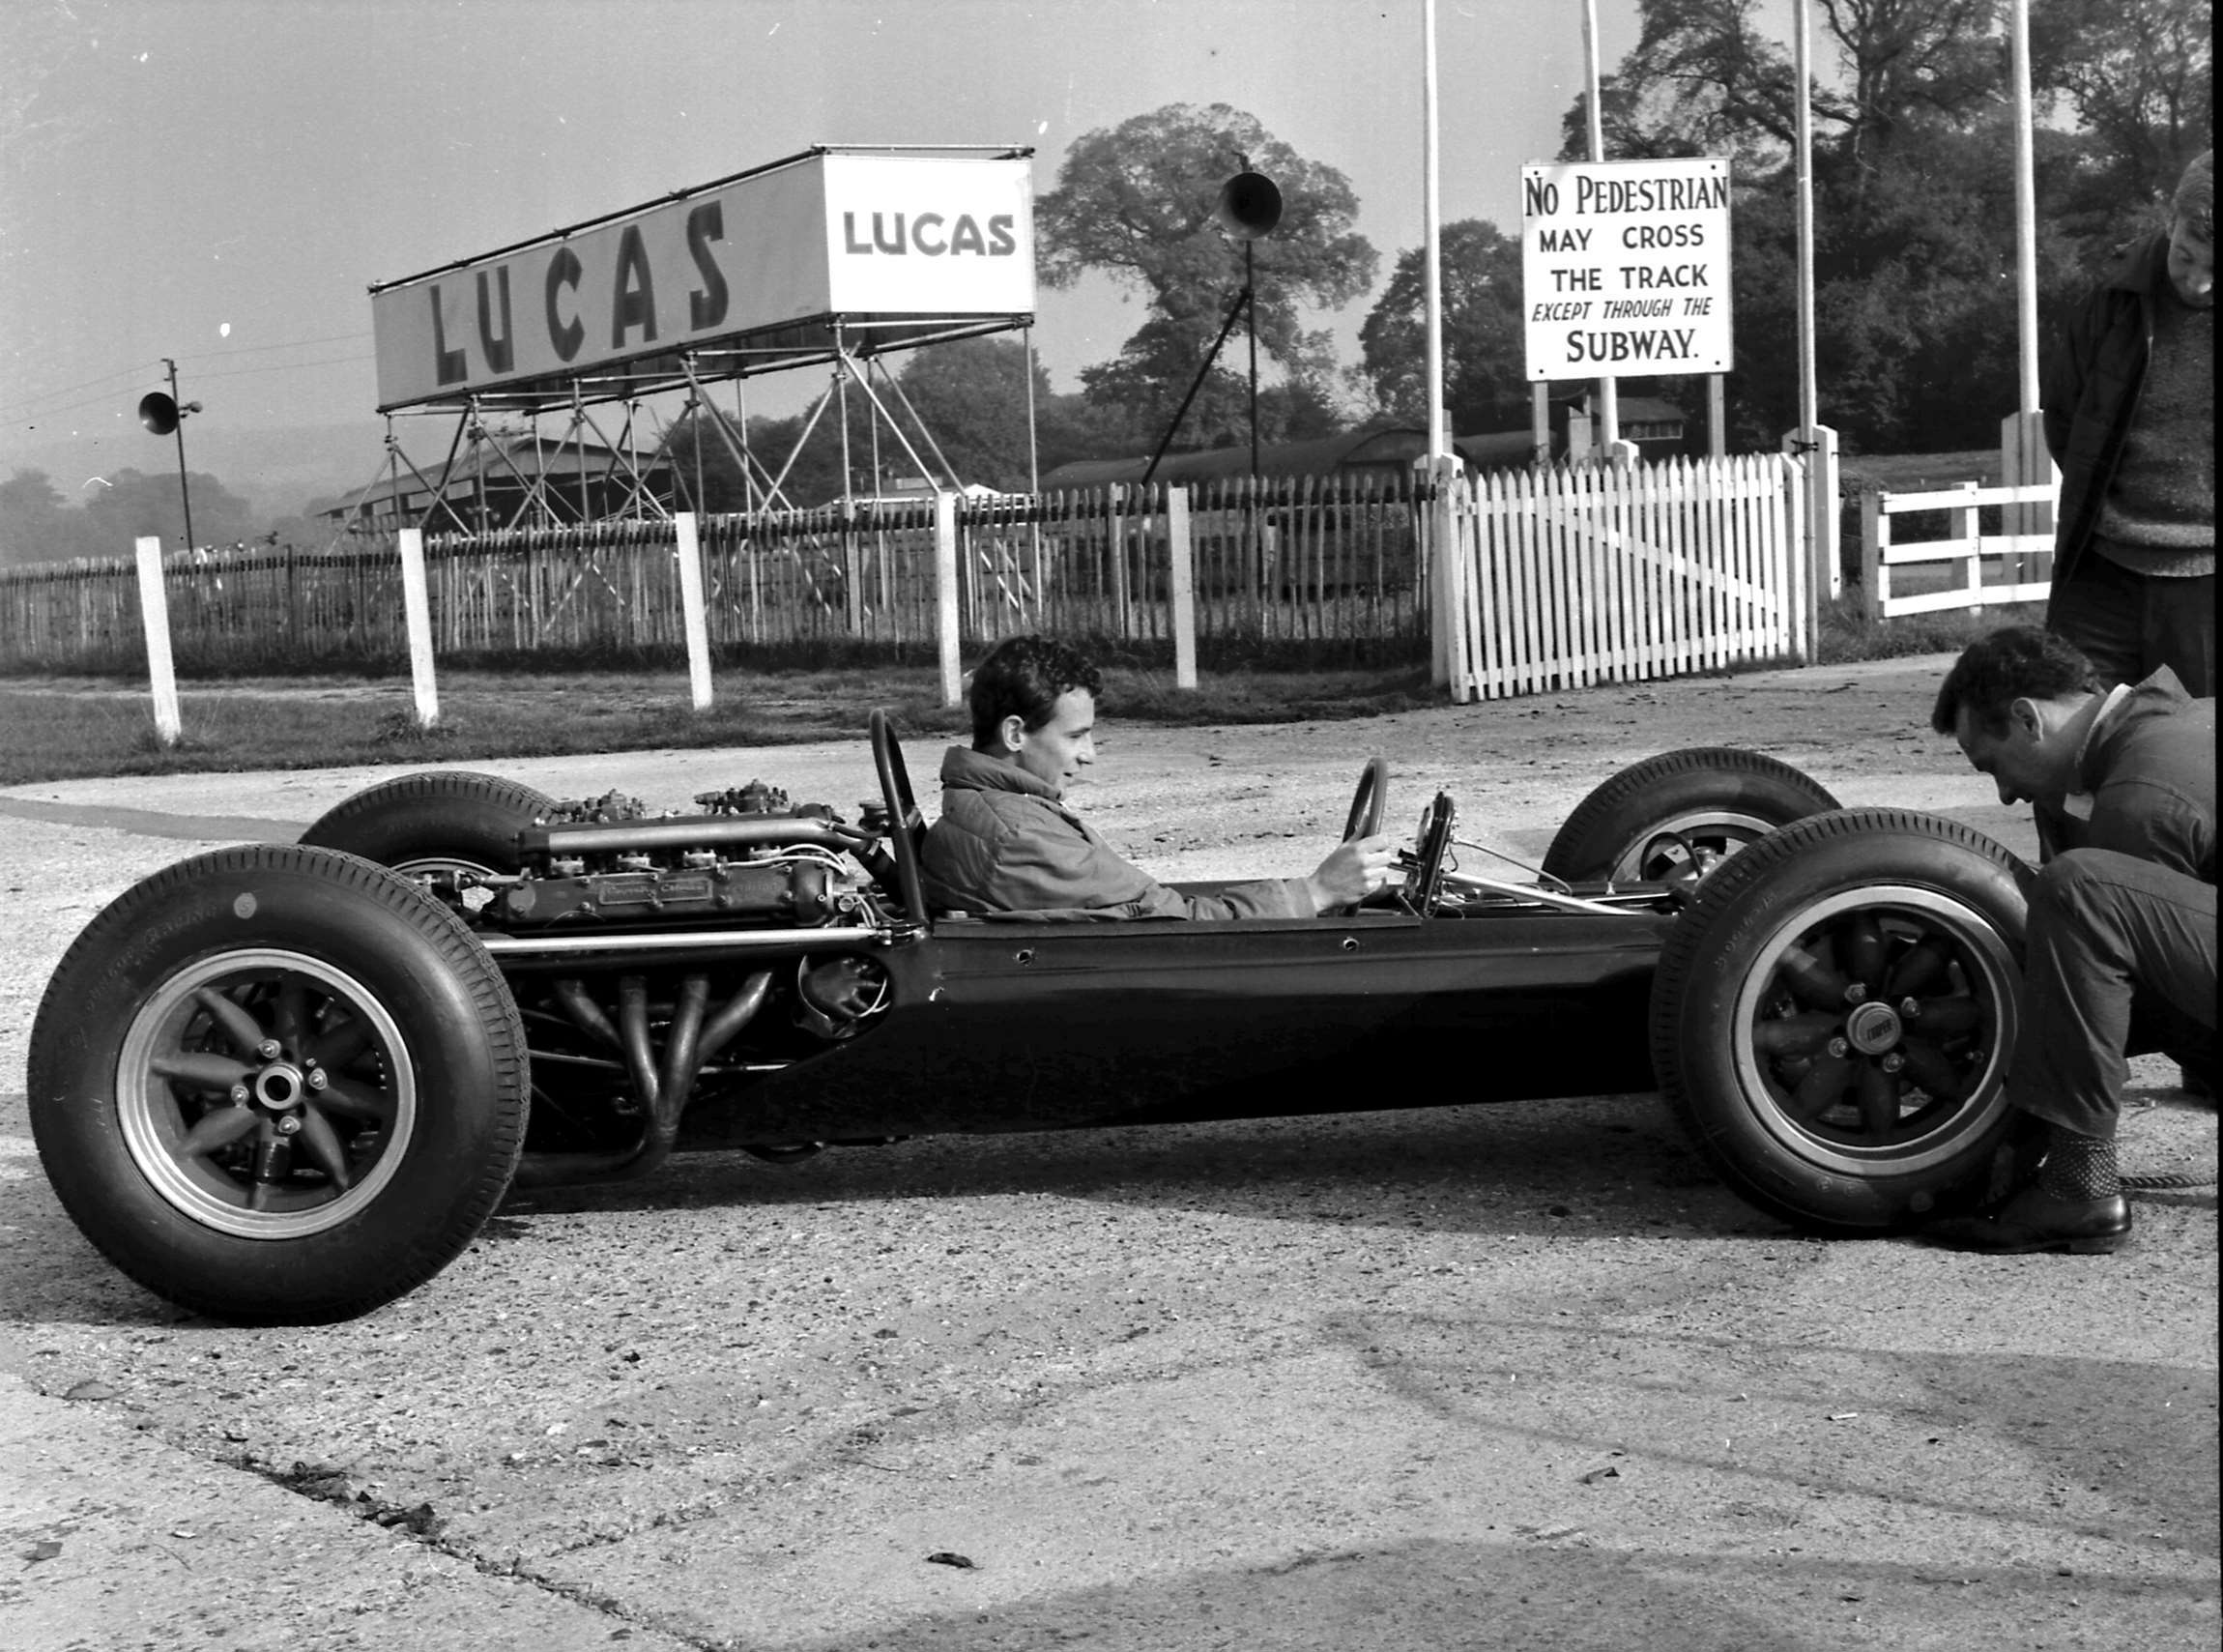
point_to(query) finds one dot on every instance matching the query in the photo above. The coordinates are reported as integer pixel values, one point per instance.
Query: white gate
(1575, 576)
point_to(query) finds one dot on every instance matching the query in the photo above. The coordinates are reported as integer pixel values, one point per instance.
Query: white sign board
(1625, 268)
(829, 233)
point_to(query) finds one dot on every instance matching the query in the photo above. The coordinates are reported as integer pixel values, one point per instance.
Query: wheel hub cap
(1872, 1028)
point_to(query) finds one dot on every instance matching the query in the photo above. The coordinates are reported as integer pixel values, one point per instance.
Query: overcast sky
(219, 181)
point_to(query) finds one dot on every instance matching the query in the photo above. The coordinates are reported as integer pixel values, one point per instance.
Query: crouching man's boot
(2075, 1205)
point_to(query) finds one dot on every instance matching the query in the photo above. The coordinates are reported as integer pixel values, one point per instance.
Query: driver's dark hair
(1023, 677)
(2016, 662)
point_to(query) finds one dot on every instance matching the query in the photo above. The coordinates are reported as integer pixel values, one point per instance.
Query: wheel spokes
(1932, 1068)
(1946, 1018)
(324, 1148)
(1806, 1033)
(218, 1129)
(1864, 951)
(201, 1069)
(1820, 1089)
(1813, 977)
(336, 1046)
(1879, 1093)
(241, 1028)
(351, 1100)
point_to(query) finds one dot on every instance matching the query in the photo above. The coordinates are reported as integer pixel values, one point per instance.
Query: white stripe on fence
(1575, 576)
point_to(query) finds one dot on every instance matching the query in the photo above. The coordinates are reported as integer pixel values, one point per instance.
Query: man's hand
(1354, 870)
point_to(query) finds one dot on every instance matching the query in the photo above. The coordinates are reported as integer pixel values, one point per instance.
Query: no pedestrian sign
(1625, 268)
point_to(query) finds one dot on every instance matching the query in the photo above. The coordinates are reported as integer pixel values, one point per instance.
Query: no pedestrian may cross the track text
(1625, 268)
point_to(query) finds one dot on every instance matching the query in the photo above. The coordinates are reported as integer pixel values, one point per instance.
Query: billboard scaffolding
(834, 258)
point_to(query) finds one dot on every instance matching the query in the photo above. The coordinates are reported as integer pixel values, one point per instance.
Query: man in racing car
(2121, 936)
(1007, 845)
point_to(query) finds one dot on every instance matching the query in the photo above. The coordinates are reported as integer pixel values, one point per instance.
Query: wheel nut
(239, 1093)
(1838, 1047)
(267, 1049)
(1911, 1009)
(316, 1077)
(289, 1125)
(1857, 993)
(1892, 1061)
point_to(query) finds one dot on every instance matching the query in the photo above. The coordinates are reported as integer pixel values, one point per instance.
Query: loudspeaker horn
(1250, 205)
(158, 412)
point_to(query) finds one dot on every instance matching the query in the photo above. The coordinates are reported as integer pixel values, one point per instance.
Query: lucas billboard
(832, 233)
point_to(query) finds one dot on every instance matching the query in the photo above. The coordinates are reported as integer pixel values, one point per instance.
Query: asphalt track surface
(1431, 1377)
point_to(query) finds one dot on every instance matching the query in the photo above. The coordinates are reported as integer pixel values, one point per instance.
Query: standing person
(2129, 401)
(1007, 844)
(2121, 934)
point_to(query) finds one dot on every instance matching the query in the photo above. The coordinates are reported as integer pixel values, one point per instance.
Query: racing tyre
(278, 1085)
(1679, 815)
(441, 820)
(1832, 1017)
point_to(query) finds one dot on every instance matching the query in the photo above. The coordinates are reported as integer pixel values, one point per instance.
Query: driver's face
(1057, 751)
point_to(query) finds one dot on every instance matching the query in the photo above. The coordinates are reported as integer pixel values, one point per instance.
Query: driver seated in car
(1007, 846)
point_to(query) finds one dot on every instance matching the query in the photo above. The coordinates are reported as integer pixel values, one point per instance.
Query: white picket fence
(1576, 576)
(2011, 566)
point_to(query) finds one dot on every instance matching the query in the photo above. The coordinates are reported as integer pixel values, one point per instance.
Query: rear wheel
(442, 821)
(278, 1084)
(1832, 1017)
(1675, 817)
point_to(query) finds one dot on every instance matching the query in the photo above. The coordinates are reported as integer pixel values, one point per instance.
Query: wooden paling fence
(1983, 568)
(1570, 577)
(1322, 565)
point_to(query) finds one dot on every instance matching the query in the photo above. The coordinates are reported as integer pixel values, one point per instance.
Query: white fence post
(1446, 611)
(416, 615)
(1821, 539)
(691, 616)
(946, 594)
(155, 620)
(2025, 462)
(1181, 586)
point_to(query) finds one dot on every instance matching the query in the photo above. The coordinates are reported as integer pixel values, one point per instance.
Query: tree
(1486, 384)
(37, 524)
(2140, 76)
(137, 506)
(1915, 315)
(1137, 201)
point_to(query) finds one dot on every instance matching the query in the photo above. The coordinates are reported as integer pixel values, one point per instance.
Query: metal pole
(2025, 210)
(1251, 322)
(1608, 389)
(1431, 241)
(1805, 206)
(185, 493)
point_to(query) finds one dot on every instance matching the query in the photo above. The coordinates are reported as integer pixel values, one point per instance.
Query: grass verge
(60, 729)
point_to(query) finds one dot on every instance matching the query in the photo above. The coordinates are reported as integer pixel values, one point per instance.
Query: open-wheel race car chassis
(289, 1083)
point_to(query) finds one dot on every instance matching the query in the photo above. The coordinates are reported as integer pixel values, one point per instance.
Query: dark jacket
(1005, 847)
(2093, 378)
(2149, 767)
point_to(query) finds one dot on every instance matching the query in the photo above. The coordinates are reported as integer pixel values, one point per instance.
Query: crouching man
(1007, 845)
(2121, 937)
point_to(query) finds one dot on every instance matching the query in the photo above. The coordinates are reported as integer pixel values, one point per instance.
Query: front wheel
(1833, 1015)
(1675, 817)
(278, 1084)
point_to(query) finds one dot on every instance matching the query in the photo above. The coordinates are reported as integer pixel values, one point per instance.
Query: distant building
(1659, 428)
(520, 481)
(1385, 454)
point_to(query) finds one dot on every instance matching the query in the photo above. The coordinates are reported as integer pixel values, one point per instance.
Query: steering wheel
(1370, 800)
(1424, 876)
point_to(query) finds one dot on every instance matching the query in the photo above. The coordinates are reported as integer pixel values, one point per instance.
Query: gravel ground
(1451, 1378)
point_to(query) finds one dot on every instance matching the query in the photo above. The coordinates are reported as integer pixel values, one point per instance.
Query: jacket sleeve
(1075, 873)
(2154, 823)
(2067, 364)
